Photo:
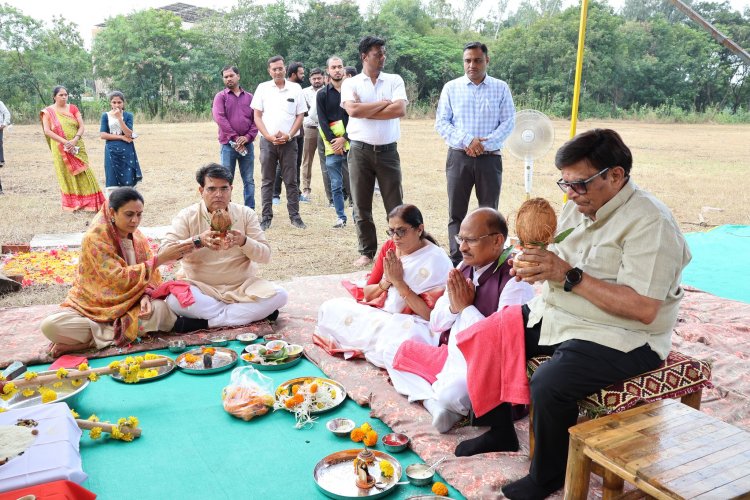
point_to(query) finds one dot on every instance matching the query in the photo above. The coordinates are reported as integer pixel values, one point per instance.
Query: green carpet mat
(192, 449)
(721, 262)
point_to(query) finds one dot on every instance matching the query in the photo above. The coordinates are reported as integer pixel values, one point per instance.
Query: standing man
(4, 122)
(475, 115)
(375, 101)
(237, 130)
(310, 126)
(333, 122)
(294, 73)
(279, 109)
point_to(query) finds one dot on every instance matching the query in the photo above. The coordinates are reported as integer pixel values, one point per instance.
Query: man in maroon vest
(479, 286)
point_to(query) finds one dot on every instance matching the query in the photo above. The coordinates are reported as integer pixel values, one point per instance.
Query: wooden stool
(666, 449)
(679, 376)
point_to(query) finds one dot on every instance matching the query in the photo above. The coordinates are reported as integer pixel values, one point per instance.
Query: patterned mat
(709, 328)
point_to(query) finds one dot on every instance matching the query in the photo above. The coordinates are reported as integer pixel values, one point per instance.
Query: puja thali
(261, 358)
(68, 392)
(195, 360)
(327, 395)
(149, 374)
(260, 364)
(334, 475)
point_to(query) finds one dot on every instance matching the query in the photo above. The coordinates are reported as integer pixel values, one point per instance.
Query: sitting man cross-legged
(610, 297)
(222, 270)
(478, 287)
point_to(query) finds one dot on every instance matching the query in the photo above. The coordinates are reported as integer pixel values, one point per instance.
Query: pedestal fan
(531, 138)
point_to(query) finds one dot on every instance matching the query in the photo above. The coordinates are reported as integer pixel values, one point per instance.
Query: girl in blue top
(120, 161)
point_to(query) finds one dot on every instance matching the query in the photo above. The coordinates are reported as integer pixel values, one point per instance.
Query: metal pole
(579, 70)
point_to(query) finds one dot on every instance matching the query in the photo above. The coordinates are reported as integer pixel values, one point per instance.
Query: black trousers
(277, 181)
(577, 369)
(484, 174)
(285, 156)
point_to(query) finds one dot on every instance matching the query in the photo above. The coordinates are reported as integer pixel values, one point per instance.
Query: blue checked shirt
(466, 111)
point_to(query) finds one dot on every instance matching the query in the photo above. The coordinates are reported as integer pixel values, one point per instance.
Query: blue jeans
(230, 158)
(334, 166)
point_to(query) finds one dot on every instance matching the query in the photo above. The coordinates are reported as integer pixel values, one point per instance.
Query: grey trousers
(485, 174)
(366, 164)
(286, 156)
(2, 156)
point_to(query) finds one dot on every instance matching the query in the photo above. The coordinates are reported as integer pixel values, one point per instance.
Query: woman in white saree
(409, 275)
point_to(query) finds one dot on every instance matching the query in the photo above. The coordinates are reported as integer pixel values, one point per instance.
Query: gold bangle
(380, 285)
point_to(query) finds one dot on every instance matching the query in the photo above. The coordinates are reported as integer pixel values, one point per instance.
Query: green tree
(144, 54)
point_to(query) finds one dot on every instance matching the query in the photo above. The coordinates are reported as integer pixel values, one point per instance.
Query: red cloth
(55, 490)
(67, 361)
(495, 355)
(180, 289)
(421, 359)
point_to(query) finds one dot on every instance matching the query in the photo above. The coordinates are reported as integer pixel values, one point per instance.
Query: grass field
(699, 171)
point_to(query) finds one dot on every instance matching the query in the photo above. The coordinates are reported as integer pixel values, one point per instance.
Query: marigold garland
(96, 433)
(440, 489)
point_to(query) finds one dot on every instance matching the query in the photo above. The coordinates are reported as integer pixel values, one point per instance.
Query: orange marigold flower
(440, 489)
(357, 435)
(313, 388)
(295, 388)
(371, 438)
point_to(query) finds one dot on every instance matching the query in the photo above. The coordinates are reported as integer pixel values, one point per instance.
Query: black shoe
(265, 223)
(273, 316)
(184, 324)
(297, 222)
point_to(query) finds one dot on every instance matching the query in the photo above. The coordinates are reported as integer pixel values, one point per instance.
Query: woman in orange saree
(109, 301)
(63, 128)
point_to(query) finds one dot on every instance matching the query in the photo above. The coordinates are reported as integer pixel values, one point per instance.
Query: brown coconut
(221, 221)
(536, 225)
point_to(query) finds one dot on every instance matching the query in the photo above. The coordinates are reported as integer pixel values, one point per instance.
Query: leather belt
(374, 147)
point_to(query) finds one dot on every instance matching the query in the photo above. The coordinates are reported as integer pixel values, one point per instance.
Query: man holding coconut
(610, 297)
(221, 270)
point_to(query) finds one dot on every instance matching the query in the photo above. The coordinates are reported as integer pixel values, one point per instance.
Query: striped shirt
(466, 111)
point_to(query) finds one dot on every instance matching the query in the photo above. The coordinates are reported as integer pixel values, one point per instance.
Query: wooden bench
(666, 449)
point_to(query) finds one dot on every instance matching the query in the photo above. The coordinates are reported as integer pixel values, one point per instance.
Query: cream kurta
(226, 275)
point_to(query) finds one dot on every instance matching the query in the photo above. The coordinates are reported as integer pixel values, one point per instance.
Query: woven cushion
(678, 376)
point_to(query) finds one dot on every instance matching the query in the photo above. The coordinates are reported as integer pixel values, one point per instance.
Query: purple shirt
(234, 116)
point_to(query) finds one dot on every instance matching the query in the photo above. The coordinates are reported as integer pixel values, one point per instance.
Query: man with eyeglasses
(475, 115)
(222, 269)
(610, 296)
(478, 287)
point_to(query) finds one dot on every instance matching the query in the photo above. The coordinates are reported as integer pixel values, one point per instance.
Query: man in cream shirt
(279, 109)
(375, 102)
(222, 272)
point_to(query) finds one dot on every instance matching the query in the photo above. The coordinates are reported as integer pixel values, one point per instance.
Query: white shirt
(310, 94)
(280, 106)
(4, 115)
(387, 86)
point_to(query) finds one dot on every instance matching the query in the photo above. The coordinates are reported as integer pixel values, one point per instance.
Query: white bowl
(340, 426)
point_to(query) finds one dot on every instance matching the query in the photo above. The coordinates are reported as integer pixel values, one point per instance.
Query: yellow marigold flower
(133, 421)
(30, 375)
(28, 392)
(440, 489)
(61, 373)
(76, 382)
(2, 410)
(357, 435)
(366, 427)
(371, 438)
(10, 388)
(93, 377)
(116, 433)
(129, 359)
(83, 367)
(114, 365)
(93, 418)
(127, 437)
(121, 421)
(74, 413)
(139, 359)
(386, 468)
(151, 356)
(2, 378)
(48, 395)
(96, 433)
(57, 385)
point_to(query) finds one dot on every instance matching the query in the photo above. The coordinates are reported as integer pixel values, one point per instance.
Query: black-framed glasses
(399, 231)
(579, 187)
(471, 241)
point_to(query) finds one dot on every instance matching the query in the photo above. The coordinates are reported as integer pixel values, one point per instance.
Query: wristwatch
(572, 278)
(197, 243)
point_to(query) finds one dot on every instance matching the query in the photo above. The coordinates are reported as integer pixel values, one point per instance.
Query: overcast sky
(96, 12)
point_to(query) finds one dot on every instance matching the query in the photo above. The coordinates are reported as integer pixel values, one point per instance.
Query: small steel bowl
(415, 473)
(395, 442)
(272, 336)
(341, 426)
(176, 345)
(246, 338)
(219, 341)
(294, 350)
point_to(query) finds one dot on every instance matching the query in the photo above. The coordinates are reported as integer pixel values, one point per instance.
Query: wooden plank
(577, 472)
(595, 425)
(710, 479)
(628, 476)
(736, 489)
(664, 473)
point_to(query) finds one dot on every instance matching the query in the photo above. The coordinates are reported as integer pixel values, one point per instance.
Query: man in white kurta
(481, 238)
(222, 270)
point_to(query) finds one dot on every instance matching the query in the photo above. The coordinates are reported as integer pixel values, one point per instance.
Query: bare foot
(58, 350)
